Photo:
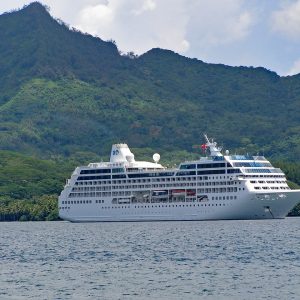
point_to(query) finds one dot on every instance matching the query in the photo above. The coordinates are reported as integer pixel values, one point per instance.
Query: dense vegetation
(62, 91)
(292, 171)
(28, 187)
(65, 97)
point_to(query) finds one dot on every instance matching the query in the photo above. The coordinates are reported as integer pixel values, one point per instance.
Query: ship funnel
(121, 153)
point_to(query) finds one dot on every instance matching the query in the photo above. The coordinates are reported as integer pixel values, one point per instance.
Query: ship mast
(213, 148)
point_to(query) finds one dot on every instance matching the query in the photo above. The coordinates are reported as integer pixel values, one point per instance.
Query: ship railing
(68, 183)
(261, 170)
(259, 157)
(277, 170)
(148, 170)
(76, 171)
(205, 158)
(241, 157)
(100, 165)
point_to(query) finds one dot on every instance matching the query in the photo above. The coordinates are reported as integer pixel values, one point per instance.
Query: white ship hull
(250, 206)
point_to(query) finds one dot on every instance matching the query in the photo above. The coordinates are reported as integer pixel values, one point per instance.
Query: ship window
(184, 173)
(187, 167)
(118, 170)
(213, 165)
(95, 171)
(158, 174)
(231, 171)
(218, 158)
(119, 176)
(93, 178)
(211, 172)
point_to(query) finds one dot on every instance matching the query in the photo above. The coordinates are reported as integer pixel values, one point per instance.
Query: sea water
(151, 260)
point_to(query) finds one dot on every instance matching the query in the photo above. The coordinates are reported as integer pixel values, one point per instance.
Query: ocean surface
(151, 260)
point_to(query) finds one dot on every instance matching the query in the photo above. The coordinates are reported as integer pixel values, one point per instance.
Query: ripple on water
(164, 260)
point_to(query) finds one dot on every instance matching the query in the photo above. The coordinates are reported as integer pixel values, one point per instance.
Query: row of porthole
(78, 202)
(155, 206)
(271, 188)
(162, 206)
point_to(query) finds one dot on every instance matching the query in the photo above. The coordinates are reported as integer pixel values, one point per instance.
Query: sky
(233, 32)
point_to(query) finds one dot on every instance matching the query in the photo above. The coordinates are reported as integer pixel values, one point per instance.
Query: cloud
(220, 22)
(138, 25)
(93, 17)
(295, 69)
(287, 20)
(147, 5)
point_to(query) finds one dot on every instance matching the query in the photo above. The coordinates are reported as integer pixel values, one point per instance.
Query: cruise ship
(215, 187)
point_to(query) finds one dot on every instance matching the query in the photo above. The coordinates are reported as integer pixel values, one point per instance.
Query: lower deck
(247, 206)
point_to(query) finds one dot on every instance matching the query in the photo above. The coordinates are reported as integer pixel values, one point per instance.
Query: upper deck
(122, 164)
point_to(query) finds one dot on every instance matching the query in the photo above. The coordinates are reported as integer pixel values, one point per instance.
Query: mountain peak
(36, 7)
(33, 7)
(31, 10)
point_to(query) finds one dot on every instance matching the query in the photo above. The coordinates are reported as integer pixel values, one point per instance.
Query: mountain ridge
(62, 91)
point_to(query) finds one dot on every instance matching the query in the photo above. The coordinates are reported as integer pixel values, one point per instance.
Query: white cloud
(287, 20)
(140, 25)
(295, 69)
(91, 17)
(147, 5)
(220, 22)
(240, 27)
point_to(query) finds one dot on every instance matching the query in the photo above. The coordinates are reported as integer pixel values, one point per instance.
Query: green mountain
(65, 97)
(63, 92)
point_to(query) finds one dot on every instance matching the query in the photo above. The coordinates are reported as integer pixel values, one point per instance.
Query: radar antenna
(156, 157)
(206, 138)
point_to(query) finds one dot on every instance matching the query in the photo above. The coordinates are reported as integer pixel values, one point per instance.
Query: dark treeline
(44, 208)
(292, 172)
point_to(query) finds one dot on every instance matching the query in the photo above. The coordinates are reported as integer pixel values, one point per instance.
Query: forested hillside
(62, 91)
(65, 97)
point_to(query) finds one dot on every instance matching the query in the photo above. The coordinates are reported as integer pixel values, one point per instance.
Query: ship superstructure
(214, 187)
